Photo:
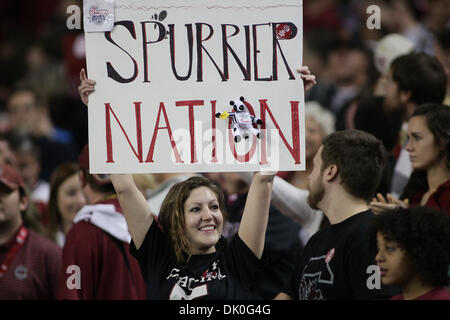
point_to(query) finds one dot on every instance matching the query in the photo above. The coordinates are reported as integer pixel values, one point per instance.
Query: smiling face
(394, 264)
(203, 220)
(70, 197)
(423, 151)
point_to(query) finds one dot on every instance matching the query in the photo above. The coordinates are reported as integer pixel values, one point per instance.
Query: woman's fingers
(83, 75)
(88, 82)
(391, 199)
(86, 91)
(309, 80)
(397, 202)
(377, 206)
(304, 70)
(406, 202)
(381, 198)
(84, 79)
(86, 88)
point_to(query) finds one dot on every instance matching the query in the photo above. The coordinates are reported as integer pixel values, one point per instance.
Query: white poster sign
(166, 75)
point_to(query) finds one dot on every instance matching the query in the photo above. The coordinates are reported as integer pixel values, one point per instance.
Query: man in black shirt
(335, 263)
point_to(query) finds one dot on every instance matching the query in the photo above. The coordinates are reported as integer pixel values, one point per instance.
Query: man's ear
(331, 172)
(24, 203)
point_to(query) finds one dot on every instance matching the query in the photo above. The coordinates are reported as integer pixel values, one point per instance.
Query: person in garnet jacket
(96, 262)
(29, 263)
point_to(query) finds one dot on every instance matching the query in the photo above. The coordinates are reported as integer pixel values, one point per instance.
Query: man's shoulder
(38, 243)
(83, 230)
(360, 220)
(359, 224)
(352, 231)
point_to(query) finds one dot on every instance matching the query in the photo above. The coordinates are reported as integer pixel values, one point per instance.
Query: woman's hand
(86, 87)
(122, 182)
(309, 80)
(379, 204)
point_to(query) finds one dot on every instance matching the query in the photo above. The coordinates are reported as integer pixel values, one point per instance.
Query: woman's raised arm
(133, 204)
(134, 207)
(256, 212)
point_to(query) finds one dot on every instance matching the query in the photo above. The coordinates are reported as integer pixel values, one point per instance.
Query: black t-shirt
(225, 274)
(335, 264)
(282, 247)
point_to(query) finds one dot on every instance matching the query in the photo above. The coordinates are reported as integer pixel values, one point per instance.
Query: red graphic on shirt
(330, 255)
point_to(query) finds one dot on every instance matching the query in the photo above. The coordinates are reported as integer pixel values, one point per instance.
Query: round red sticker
(284, 31)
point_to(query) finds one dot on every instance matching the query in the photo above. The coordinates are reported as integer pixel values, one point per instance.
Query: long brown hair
(171, 215)
(59, 175)
(437, 118)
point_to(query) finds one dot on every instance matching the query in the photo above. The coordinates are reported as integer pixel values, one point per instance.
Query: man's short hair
(422, 75)
(359, 157)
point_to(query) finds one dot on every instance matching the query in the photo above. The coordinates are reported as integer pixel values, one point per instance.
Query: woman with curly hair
(412, 248)
(429, 151)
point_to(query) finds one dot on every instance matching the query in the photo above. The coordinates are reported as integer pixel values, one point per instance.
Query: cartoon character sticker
(241, 120)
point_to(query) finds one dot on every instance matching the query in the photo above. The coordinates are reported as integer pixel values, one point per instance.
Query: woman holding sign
(182, 255)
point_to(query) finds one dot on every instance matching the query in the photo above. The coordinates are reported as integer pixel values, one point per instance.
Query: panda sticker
(241, 120)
